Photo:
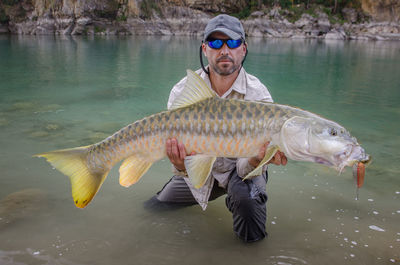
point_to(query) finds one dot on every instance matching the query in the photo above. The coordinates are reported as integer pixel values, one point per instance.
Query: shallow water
(65, 92)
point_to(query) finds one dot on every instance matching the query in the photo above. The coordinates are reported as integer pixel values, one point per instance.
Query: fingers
(174, 149)
(283, 159)
(261, 152)
(176, 153)
(168, 148)
(279, 159)
(182, 151)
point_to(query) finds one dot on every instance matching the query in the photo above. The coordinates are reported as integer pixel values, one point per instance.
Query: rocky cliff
(377, 19)
(382, 10)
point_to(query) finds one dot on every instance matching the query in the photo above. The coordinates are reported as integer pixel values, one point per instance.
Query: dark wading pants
(246, 200)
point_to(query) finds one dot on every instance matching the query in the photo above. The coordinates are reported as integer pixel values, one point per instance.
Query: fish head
(322, 141)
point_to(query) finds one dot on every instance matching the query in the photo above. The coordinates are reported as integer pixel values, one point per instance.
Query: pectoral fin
(199, 168)
(132, 169)
(269, 154)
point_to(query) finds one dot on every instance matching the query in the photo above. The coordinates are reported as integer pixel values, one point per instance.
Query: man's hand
(176, 153)
(278, 159)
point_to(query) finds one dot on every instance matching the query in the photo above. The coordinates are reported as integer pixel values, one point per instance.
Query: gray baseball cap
(230, 26)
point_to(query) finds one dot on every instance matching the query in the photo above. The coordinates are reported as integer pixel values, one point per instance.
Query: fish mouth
(353, 155)
(367, 160)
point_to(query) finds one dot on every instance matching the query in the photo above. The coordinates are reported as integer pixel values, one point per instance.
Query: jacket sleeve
(243, 167)
(176, 91)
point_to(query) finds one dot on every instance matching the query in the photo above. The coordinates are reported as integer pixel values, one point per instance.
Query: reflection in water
(71, 91)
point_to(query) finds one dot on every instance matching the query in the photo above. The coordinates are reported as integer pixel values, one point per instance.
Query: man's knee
(247, 202)
(249, 218)
(176, 191)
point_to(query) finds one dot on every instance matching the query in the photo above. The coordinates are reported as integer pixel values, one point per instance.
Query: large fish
(211, 127)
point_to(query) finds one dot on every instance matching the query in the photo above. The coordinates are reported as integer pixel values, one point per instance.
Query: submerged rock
(49, 108)
(20, 205)
(24, 106)
(39, 134)
(33, 107)
(53, 127)
(97, 137)
(3, 121)
(45, 129)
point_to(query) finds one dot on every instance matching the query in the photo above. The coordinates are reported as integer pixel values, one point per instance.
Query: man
(225, 49)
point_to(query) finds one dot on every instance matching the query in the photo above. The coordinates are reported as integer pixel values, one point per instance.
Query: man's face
(224, 61)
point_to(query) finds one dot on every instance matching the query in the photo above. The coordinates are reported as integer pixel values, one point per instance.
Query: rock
(382, 10)
(350, 14)
(305, 20)
(257, 14)
(324, 26)
(3, 121)
(274, 13)
(179, 17)
(39, 134)
(45, 26)
(98, 136)
(336, 35)
(53, 127)
(49, 108)
(24, 106)
(20, 205)
(323, 23)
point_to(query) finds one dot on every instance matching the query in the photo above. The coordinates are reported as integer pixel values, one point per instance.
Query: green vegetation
(3, 17)
(251, 6)
(98, 29)
(122, 18)
(11, 2)
(110, 14)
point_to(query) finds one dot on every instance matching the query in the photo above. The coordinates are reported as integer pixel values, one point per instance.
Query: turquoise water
(65, 92)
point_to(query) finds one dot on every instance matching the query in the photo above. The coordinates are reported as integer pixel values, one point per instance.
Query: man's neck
(220, 84)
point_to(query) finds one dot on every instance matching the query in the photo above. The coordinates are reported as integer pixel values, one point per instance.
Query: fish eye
(333, 132)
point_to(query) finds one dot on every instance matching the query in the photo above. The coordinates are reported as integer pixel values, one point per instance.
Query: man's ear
(203, 46)
(244, 47)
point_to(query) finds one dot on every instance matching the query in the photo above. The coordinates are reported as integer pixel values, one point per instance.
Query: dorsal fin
(195, 90)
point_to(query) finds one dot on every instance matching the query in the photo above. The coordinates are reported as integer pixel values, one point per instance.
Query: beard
(225, 68)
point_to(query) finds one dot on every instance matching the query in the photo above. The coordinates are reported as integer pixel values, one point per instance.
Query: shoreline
(305, 28)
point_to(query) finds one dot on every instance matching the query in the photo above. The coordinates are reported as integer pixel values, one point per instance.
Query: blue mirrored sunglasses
(217, 43)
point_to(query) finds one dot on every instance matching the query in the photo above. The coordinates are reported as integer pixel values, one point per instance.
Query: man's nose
(224, 49)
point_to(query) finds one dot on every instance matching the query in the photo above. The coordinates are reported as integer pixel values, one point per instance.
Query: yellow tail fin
(73, 163)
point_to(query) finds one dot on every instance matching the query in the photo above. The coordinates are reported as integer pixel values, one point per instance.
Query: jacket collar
(239, 85)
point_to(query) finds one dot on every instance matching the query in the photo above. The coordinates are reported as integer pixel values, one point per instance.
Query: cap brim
(231, 34)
